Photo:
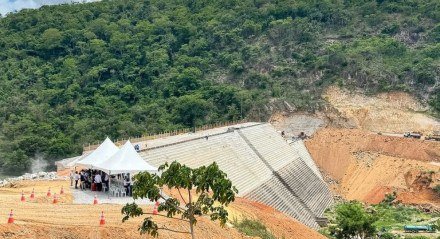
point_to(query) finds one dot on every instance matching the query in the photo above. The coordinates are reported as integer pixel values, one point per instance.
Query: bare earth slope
(366, 165)
(394, 112)
(42, 219)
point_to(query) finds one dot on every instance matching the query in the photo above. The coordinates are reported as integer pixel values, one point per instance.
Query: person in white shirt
(76, 177)
(98, 181)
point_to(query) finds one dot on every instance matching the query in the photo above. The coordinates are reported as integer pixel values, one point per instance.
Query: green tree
(51, 38)
(190, 110)
(208, 183)
(353, 221)
(16, 160)
(437, 189)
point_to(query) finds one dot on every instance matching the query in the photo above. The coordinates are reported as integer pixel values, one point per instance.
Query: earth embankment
(365, 166)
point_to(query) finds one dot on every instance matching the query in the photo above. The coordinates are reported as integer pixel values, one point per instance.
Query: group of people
(95, 180)
(92, 179)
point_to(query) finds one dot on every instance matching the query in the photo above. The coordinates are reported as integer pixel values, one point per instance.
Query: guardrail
(197, 138)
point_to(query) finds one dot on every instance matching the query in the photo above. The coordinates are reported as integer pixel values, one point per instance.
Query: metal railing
(146, 137)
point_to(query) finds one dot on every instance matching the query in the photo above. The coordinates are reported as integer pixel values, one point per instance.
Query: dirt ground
(43, 219)
(394, 112)
(278, 223)
(364, 166)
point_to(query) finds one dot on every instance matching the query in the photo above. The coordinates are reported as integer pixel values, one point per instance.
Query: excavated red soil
(277, 223)
(366, 166)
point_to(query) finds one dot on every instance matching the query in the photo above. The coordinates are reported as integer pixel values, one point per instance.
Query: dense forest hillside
(73, 74)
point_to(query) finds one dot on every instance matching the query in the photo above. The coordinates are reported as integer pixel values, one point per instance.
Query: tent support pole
(109, 181)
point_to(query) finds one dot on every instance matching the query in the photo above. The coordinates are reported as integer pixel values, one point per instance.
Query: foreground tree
(209, 183)
(353, 221)
(437, 189)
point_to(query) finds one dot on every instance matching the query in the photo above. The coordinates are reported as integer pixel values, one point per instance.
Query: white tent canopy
(126, 160)
(102, 153)
(74, 161)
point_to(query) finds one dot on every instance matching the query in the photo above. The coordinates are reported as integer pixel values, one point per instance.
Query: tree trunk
(191, 215)
(191, 229)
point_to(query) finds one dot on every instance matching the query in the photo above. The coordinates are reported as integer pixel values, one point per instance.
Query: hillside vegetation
(72, 74)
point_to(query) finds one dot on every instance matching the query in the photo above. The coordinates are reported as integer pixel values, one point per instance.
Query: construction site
(351, 152)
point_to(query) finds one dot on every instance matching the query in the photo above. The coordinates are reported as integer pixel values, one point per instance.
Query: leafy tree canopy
(354, 222)
(207, 190)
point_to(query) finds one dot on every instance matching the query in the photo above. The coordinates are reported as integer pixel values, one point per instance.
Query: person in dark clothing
(107, 181)
(127, 185)
(82, 180)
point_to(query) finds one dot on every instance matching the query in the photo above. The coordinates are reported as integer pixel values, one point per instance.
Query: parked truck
(416, 135)
(433, 136)
(416, 229)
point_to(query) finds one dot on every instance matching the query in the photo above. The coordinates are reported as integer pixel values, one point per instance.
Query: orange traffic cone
(11, 217)
(102, 221)
(32, 194)
(23, 199)
(62, 190)
(48, 193)
(95, 200)
(155, 212)
(55, 199)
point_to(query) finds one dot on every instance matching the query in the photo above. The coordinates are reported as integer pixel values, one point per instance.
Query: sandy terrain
(394, 112)
(366, 165)
(42, 219)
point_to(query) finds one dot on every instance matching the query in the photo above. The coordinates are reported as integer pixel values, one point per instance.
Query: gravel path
(87, 197)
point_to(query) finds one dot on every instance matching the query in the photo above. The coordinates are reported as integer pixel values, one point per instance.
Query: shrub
(389, 198)
(388, 235)
(437, 189)
(354, 221)
(253, 228)
(436, 226)
(417, 237)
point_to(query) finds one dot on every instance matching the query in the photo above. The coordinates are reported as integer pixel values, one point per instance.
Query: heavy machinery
(434, 136)
(416, 229)
(416, 135)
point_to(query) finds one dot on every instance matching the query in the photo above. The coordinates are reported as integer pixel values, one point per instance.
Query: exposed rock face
(391, 112)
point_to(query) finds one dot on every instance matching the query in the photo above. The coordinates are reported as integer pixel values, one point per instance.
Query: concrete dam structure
(263, 166)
